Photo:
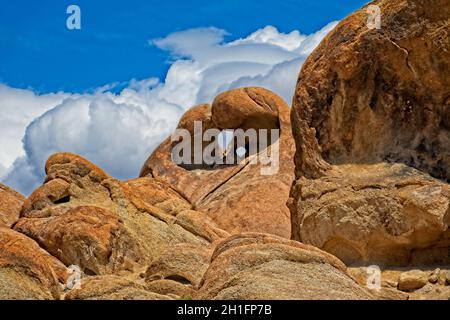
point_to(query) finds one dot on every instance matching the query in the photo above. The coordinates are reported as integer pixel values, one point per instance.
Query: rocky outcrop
(262, 266)
(412, 280)
(237, 197)
(404, 283)
(371, 125)
(112, 287)
(26, 270)
(371, 106)
(378, 213)
(184, 263)
(10, 205)
(104, 226)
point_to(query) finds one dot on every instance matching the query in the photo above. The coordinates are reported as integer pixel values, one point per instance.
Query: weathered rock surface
(371, 123)
(262, 266)
(403, 283)
(86, 218)
(430, 292)
(383, 213)
(371, 105)
(412, 280)
(184, 263)
(10, 205)
(237, 197)
(171, 288)
(434, 276)
(111, 287)
(26, 270)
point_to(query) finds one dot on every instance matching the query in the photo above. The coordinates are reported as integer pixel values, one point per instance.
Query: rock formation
(10, 205)
(112, 287)
(141, 240)
(261, 266)
(238, 198)
(370, 121)
(26, 270)
(371, 124)
(86, 218)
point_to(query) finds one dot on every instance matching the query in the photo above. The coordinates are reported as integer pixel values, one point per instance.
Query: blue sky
(37, 51)
(166, 56)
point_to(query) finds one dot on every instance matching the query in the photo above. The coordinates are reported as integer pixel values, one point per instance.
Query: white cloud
(270, 35)
(116, 135)
(119, 131)
(18, 108)
(192, 42)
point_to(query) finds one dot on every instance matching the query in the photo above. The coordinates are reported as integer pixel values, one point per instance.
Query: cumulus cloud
(18, 108)
(115, 134)
(270, 35)
(204, 65)
(119, 131)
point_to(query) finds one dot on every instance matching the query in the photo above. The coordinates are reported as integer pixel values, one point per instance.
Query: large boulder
(378, 213)
(10, 205)
(237, 197)
(412, 280)
(371, 124)
(261, 266)
(85, 218)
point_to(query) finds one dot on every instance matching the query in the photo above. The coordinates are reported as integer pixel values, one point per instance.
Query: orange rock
(26, 270)
(260, 266)
(370, 107)
(158, 194)
(237, 197)
(10, 205)
(111, 287)
(83, 236)
(246, 108)
(104, 226)
(372, 95)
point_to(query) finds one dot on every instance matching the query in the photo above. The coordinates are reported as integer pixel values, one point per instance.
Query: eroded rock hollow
(238, 198)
